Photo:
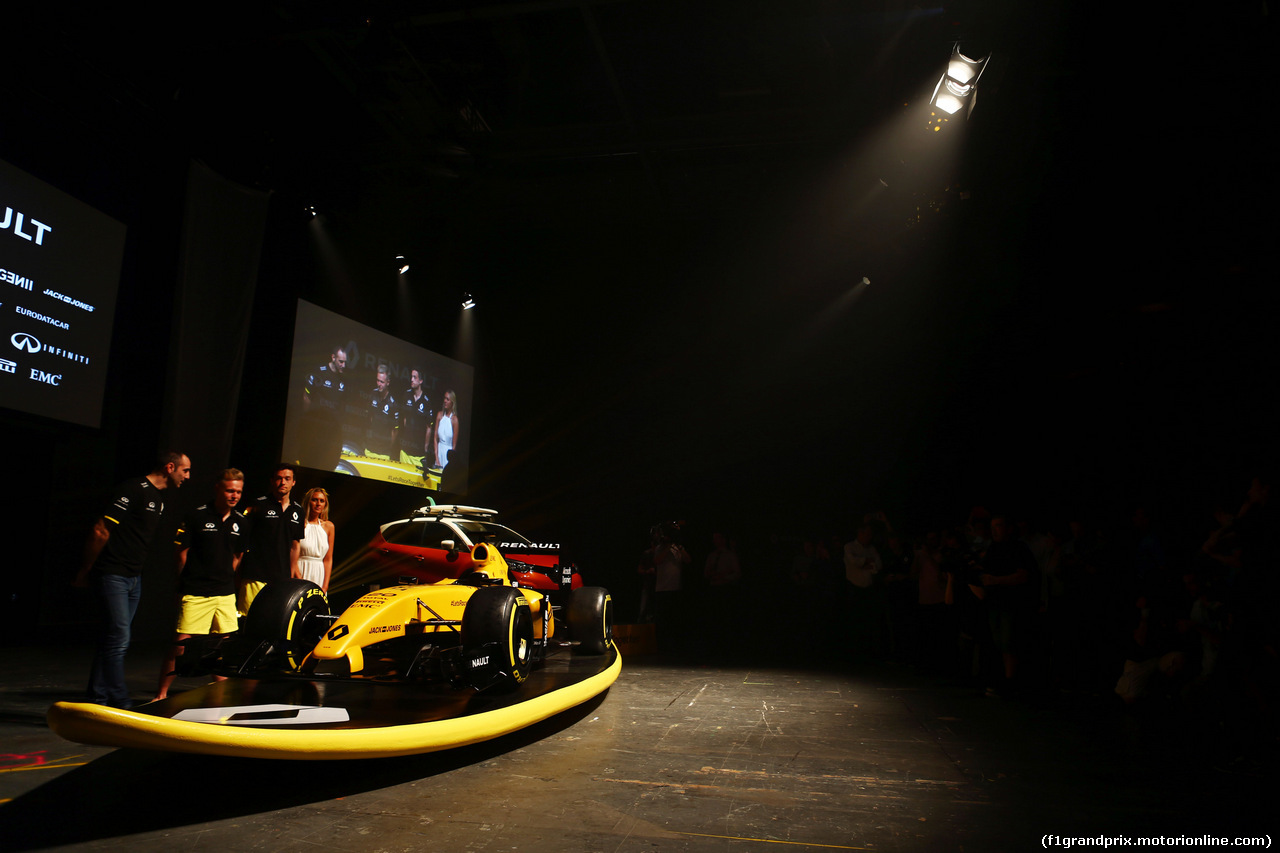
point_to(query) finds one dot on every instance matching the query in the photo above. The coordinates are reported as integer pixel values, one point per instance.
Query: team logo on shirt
(209, 525)
(235, 528)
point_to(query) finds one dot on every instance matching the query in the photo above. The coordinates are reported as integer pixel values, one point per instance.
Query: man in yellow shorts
(210, 542)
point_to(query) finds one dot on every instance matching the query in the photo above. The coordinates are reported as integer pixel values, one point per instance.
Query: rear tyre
(500, 615)
(591, 619)
(288, 614)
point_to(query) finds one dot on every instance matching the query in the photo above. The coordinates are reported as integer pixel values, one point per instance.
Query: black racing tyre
(287, 612)
(590, 619)
(500, 614)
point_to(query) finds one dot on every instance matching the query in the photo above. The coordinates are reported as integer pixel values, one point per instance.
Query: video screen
(364, 403)
(59, 274)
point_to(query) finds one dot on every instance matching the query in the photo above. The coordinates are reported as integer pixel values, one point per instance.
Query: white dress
(444, 441)
(315, 544)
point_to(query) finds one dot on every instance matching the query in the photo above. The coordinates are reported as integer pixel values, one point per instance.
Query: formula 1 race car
(357, 463)
(483, 628)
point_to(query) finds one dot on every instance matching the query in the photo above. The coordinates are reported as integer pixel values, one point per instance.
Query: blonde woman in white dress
(315, 561)
(446, 429)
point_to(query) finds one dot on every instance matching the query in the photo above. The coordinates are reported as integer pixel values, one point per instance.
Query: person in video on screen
(323, 409)
(415, 422)
(384, 416)
(446, 428)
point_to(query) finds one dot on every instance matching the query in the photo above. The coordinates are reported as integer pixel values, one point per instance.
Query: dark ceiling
(423, 106)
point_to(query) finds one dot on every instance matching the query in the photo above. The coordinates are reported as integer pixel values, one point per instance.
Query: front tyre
(591, 619)
(497, 624)
(289, 614)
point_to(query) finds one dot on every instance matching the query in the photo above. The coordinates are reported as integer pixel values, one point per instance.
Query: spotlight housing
(467, 302)
(957, 89)
(402, 264)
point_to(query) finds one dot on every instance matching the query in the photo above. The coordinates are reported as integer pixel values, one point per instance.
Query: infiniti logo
(26, 342)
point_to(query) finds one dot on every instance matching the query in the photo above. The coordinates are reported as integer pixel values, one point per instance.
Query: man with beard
(114, 556)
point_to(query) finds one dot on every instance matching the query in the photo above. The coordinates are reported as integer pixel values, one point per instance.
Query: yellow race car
(479, 630)
(359, 463)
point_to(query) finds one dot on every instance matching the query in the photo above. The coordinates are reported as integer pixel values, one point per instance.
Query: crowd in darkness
(1132, 607)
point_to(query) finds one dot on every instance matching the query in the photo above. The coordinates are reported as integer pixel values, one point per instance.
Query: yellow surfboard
(296, 718)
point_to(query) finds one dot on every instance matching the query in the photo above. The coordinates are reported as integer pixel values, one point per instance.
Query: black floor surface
(678, 755)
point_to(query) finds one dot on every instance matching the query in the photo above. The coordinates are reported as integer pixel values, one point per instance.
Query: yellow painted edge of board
(101, 725)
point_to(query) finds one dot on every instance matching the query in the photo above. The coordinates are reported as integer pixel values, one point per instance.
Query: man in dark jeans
(113, 560)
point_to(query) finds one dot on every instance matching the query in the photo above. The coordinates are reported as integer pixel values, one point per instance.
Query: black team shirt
(211, 545)
(131, 521)
(272, 532)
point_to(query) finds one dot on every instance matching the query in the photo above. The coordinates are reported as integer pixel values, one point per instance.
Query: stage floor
(677, 755)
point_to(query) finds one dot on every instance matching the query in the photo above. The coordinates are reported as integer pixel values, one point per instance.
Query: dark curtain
(222, 235)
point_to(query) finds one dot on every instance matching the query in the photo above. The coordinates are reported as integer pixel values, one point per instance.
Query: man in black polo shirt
(276, 526)
(415, 422)
(323, 412)
(209, 542)
(113, 560)
(384, 416)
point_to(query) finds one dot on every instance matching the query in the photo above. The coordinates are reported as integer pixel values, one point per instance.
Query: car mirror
(452, 547)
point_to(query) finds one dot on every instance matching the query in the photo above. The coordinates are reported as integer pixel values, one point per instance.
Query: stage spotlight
(467, 302)
(958, 87)
(402, 264)
(311, 210)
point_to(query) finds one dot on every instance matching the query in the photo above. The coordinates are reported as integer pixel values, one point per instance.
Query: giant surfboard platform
(296, 718)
